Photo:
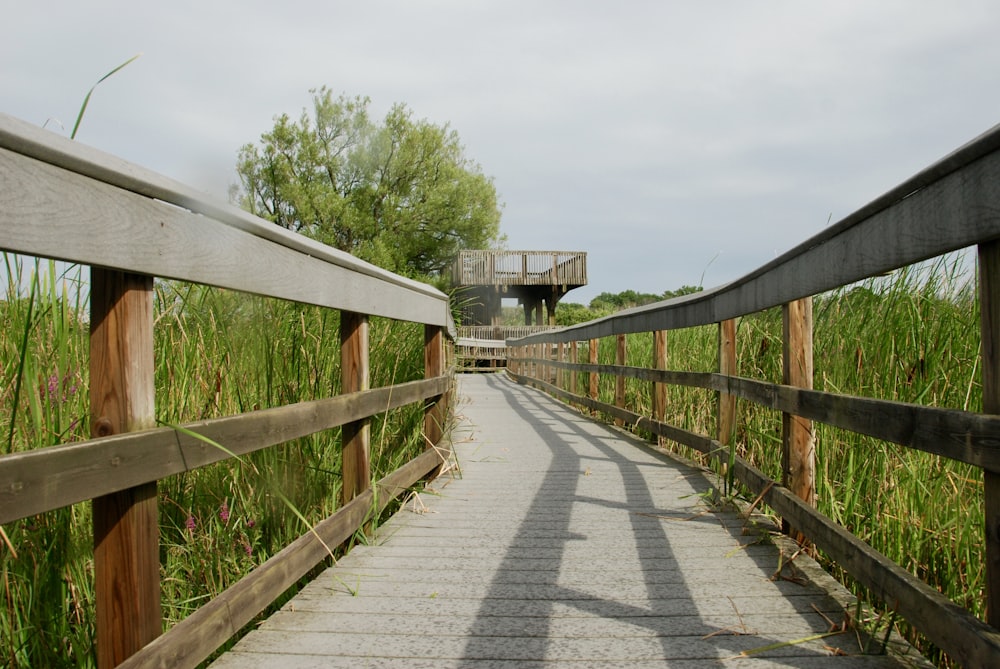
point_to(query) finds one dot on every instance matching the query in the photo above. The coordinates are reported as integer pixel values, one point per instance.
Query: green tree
(572, 313)
(608, 303)
(683, 290)
(623, 300)
(400, 194)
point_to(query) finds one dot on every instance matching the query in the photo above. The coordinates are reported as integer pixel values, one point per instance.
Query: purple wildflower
(58, 391)
(247, 548)
(251, 522)
(189, 523)
(224, 513)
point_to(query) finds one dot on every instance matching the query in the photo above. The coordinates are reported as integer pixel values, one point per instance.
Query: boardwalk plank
(563, 543)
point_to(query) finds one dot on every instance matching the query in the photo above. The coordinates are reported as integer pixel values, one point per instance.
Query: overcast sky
(656, 136)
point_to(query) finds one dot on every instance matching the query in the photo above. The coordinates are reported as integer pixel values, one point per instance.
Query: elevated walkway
(559, 541)
(536, 278)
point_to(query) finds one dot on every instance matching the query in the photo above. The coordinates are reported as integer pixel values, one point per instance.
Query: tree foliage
(605, 304)
(400, 194)
(611, 302)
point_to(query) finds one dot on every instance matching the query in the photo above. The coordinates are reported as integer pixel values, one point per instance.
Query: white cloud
(652, 134)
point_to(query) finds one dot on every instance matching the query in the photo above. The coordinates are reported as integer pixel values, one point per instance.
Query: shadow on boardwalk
(562, 543)
(635, 572)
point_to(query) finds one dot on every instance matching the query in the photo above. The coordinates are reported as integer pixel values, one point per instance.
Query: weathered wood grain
(659, 389)
(621, 350)
(49, 478)
(727, 367)
(50, 212)
(33, 142)
(960, 435)
(989, 309)
(126, 522)
(592, 356)
(354, 377)
(573, 376)
(435, 410)
(798, 443)
(560, 357)
(196, 637)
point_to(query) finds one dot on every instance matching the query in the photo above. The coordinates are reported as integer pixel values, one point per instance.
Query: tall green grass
(217, 353)
(911, 336)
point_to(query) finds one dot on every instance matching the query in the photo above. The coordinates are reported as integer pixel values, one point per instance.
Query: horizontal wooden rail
(70, 202)
(48, 478)
(195, 638)
(498, 332)
(965, 436)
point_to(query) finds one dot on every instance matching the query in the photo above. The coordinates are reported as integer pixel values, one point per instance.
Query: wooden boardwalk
(561, 542)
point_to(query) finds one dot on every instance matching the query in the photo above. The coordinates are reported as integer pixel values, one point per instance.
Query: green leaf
(86, 100)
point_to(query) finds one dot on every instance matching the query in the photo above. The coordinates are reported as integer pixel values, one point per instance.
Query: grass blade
(86, 100)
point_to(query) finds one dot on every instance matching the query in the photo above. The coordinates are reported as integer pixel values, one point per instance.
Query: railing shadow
(665, 600)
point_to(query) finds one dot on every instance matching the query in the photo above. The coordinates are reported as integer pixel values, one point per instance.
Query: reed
(217, 353)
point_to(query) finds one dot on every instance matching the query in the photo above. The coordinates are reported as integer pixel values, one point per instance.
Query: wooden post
(546, 360)
(126, 524)
(798, 454)
(560, 354)
(620, 350)
(592, 358)
(727, 366)
(659, 389)
(434, 409)
(551, 353)
(989, 306)
(354, 377)
(573, 376)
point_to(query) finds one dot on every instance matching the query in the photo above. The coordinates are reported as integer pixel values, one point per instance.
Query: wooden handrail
(71, 202)
(949, 206)
(66, 201)
(44, 479)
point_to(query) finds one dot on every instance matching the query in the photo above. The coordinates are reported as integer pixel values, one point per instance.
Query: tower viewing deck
(535, 278)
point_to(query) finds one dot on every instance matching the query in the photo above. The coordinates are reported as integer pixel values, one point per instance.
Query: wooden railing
(951, 205)
(520, 268)
(486, 345)
(65, 201)
(498, 332)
